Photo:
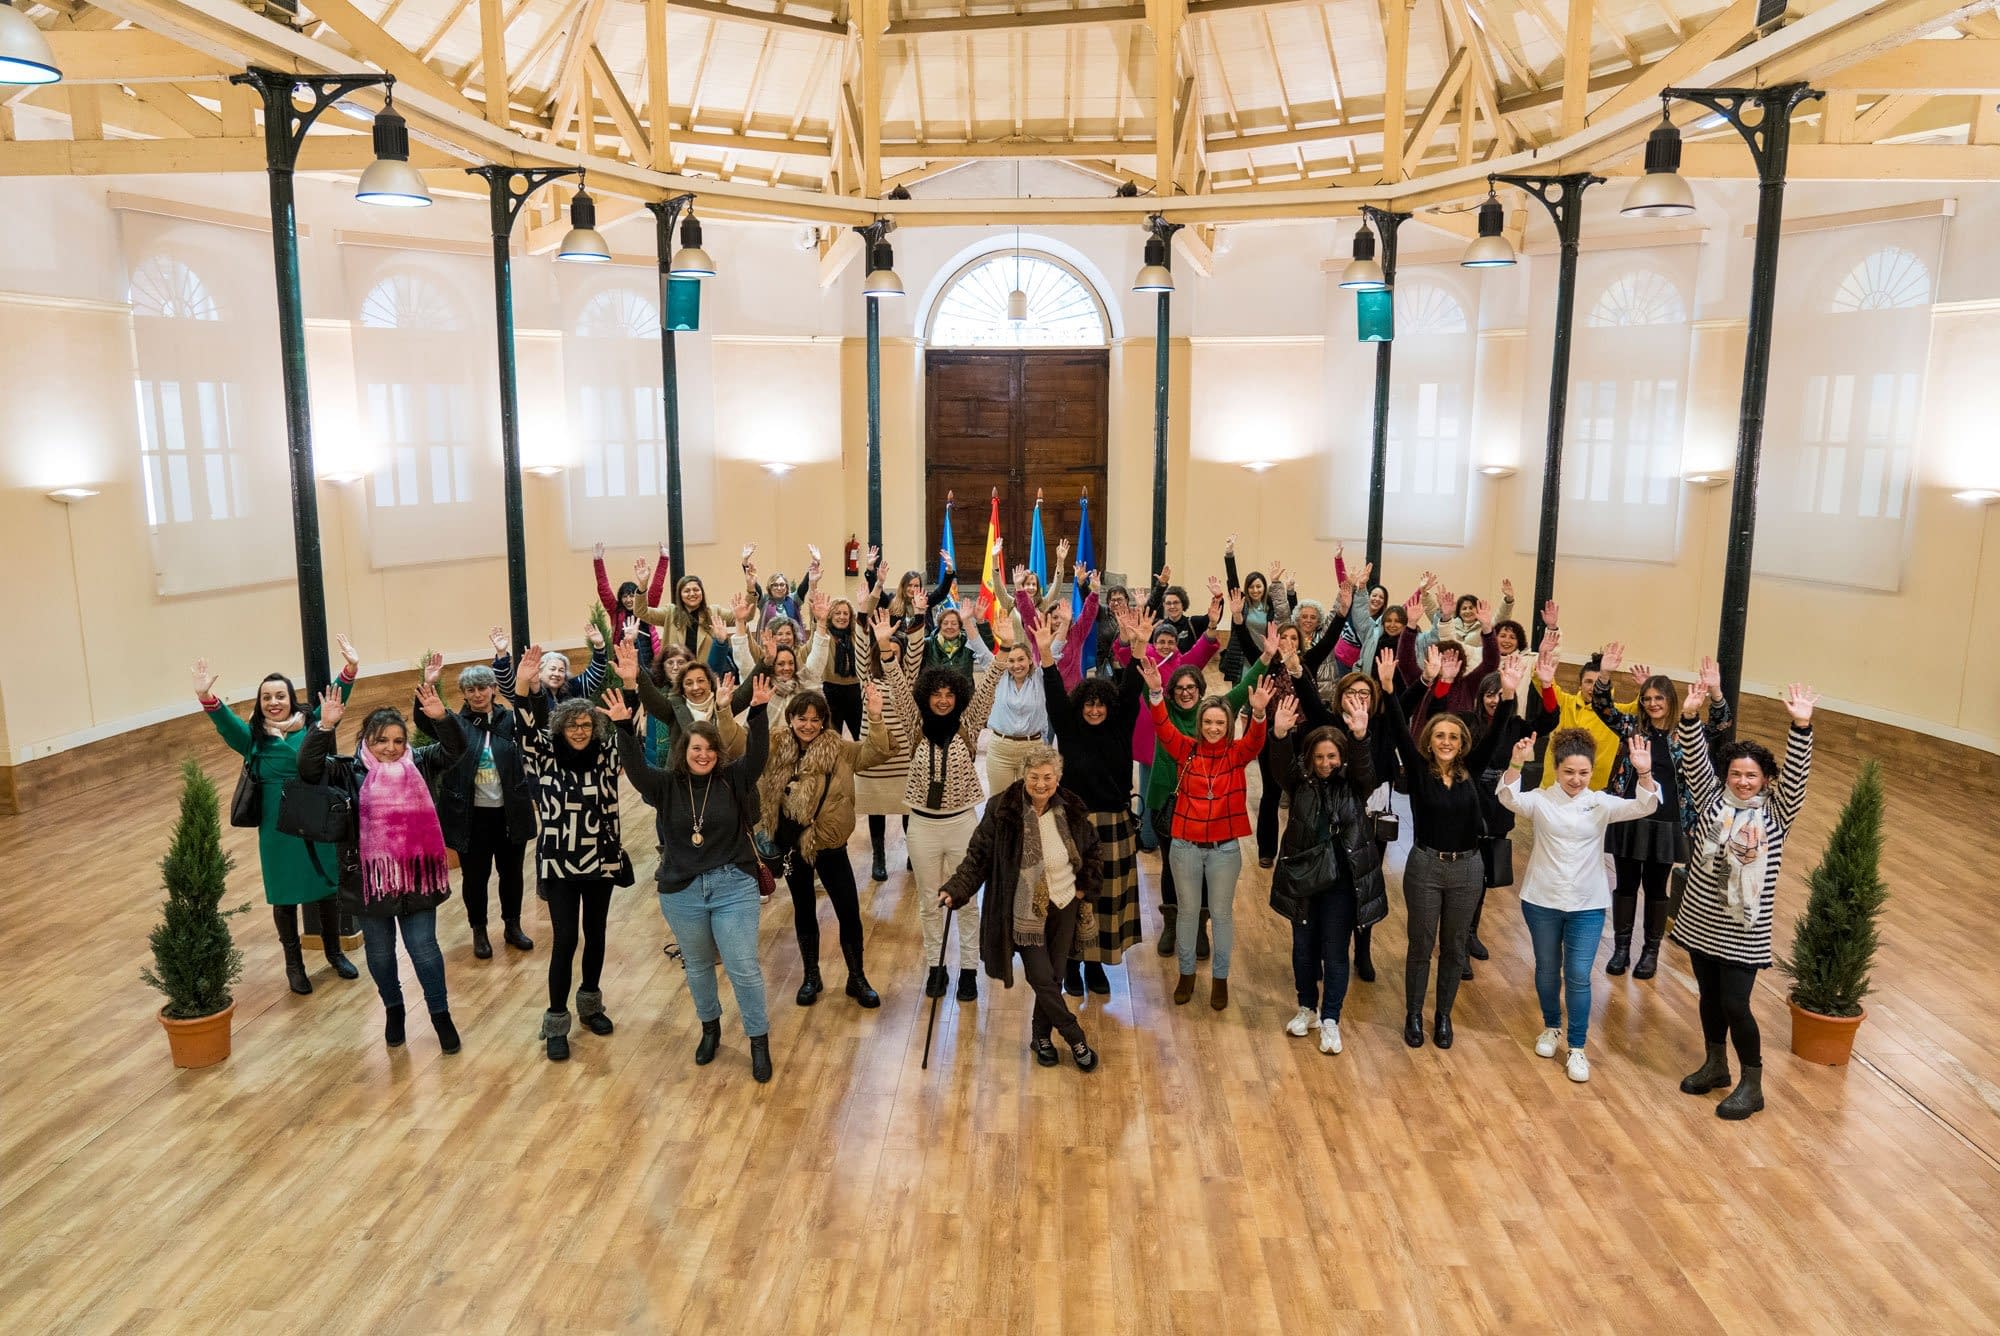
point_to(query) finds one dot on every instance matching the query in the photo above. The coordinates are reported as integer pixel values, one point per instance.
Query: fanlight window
(1062, 309)
(1426, 308)
(618, 314)
(164, 287)
(1638, 297)
(1889, 279)
(405, 301)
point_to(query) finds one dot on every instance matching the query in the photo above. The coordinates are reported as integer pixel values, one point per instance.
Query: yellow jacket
(1574, 711)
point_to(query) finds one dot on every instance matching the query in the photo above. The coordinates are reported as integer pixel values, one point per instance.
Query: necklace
(707, 789)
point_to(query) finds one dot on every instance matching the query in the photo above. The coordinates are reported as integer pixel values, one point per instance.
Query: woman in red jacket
(1211, 814)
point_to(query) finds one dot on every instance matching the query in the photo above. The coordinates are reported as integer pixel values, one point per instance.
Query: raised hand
(1031, 636)
(922, 602)
(1696, 698)
(1413, 608)
(1546, 660)
(1062, 551)
(1433, 663)
(871, 698)
(352, 659)
(874, 558)
(1363, 580)
(331, 707)
(1229, 545)
(818, 604)
(1287, 717)
(1355, 715)
(1272, 645)
(1260, 696)
(1799, 701)
(1149, 672)
(1711, 676)
(1639, 672)
(641, 572)
(884, 626)
(1612, 657)
(944, 558)
(1165, 577)
(1641, 752)
(1511, 668)
(666, 558)
(1215, 586)
(739, 607)
(1385, 669)
(1003, 631)
(1236, 605)
(813, 552)
(626, 656)
(1450, 666)
(749, 551)
(1082, 576)
(498, 637)
(1507, 590)
(204, 681)
(1143, 623)
(1020, 573)
(529, 671)
(1277, 572)
(1550, 612)
(1484, 615)
(760, 691)
(1447, 605)
(728, 686)
(592, 636)
(1344, 600)
(1524, 751)
(597, 551)
(768, 643)
(429, 701)
(433, 665)
(616, 710)
(999, 545)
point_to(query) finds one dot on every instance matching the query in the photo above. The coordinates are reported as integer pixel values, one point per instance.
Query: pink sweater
(1143, 748)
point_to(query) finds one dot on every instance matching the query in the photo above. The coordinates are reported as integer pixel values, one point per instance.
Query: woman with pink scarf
(392, 863)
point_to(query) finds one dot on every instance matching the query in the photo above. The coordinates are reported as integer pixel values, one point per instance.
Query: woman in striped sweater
(1725, 918)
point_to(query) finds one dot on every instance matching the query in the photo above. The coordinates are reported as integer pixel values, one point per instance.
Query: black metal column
(665, 213)
(1386, 221)
(1162, 396)
(285, 127)
(507, 189)
(1770, 141)
(1562, 196)
(874, 422)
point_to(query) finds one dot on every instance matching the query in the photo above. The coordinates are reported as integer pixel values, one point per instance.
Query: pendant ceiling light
(881, 280)
(1017, 300)
(691, 261)
(583, 243)
(390, 180)
(25, 57)
(1661, 193)
(1154, 276)
(1491, 250)
(1363, 273)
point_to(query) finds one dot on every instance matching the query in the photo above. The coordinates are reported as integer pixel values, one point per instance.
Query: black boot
(879, 870)
(1620, 959)
(329, 937)
(1649, 962)
(878, 835)
(936, 982)
(1711, 1075)
(968, 985)
(1095, 979)
(1474, 948)
(590, 1010)
(1465, 972)
(447, 1032)
(1746, 1099)
(1171, 914)
(857, 982)
(555, 1030)
(482, 949)
(711, 1039)
(760, 1057)
(1073, 978)
(1441, 1030)
(1364, 964)
(811, 987)
(287, 919)
(1201, 937)
(1413, 1029)
(392, 1026)
(517, 939)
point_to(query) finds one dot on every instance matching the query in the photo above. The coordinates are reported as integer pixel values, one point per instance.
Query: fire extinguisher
(853, 555)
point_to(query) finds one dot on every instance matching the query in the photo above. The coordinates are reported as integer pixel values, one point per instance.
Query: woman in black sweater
(708, 866)
(1357, 690)
(1093, 728)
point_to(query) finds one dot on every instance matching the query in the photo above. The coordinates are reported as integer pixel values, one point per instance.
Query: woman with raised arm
(690, 622)
(1169, 603)
(294, 872)
(1211, 817)
(1264, 606)
(579, 853)
(1329, 884)
(486, 802)
(392, 864)
(840, 646)
(1741, 824)
(781, 598)
(556, 677)
(1445, 874)
(1160, 642)
(1643, 853)
(642, 591)
(941, 790)
(705, 806)
(1093, 728)
(1563, 894)
(696, 698)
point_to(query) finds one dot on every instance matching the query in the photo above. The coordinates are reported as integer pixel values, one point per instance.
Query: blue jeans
(420, 939)
(1220, 866)
(1319, 952)
(1565, 950)
(715, 917)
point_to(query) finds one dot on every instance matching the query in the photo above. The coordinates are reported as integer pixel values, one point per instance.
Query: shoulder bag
(246, 805)
(317, 813)
(1310, 872)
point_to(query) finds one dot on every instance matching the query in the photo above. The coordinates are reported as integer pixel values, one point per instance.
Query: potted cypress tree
(1833, 942)
(195, 961)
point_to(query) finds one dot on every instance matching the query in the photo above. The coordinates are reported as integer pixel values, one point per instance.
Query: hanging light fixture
(1363, 273)
(1154, 276)
(583, 243)
(691, 261)
(25, 57)
(390, 180)
(881, 280)
(1661, 193)
(1491, 250)
(1017, 300)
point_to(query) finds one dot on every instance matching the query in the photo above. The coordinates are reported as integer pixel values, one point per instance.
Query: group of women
(875, 706)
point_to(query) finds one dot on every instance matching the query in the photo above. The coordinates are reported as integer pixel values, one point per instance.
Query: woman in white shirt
(1565, 894)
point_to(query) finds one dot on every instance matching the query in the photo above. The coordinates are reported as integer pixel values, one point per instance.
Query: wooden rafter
(493, 60)
(451, 18)
(128, 56)
(1396, 50)
(1440, 102)
(566, 96)
(1968, 65)
(872, 16)
(1576, 64)
(604, 83)
(1164, 18)
(373, 44)
(1885, 115)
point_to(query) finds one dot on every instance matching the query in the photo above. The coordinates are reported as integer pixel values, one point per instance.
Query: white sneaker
(1329, 1036)
(1305, 1020)
(1579, 1066)
(1545, 1043)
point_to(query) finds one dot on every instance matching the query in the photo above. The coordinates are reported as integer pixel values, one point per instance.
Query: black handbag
(1310, 872)
(246, 805)
(317, 813)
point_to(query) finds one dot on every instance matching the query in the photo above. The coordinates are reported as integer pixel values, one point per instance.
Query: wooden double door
(1016, 420)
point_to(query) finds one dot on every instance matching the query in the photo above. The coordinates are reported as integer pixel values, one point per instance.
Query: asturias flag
(988, 587)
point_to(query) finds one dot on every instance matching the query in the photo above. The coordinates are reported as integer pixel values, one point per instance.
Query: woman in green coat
(295, 873)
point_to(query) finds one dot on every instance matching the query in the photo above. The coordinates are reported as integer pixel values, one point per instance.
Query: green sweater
(1166, 775)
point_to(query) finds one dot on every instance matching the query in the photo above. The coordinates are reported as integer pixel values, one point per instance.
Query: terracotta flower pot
(200, 1042)
(1826, 1040)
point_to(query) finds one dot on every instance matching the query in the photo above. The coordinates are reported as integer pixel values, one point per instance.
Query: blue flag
(1086, 557)
(946, 544)
(1038, 557)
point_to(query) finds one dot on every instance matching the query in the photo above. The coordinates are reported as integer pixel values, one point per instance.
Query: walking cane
(943, 946)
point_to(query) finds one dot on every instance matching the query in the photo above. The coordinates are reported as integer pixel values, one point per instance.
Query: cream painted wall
(1247, 383)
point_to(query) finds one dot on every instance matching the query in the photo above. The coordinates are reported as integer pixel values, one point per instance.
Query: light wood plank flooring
(1214, 1175)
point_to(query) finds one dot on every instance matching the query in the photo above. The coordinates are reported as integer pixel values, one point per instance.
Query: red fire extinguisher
(853, 555)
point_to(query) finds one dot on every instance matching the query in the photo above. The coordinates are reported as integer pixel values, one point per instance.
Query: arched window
(407, 301)
(1426, 309)
(187, 412)
(1637, 297)
(618, 313)
(1430, 411)
(1062, 309)
(616, 409)
(163, 286)
(422, 411)
(1890, 279)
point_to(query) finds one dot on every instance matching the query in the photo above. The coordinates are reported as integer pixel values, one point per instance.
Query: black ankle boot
(392, 1026)
(286, 917)
(517, 939)
(1073, 978)
(1413, 1029)
(1441, 1030)
(329, 938)
(1746, 1099)
(482, 949)
(1475, 948)
(1711, 1075)
(1095, 979)
(1168, 943)
(711, 1039)
(1620, 959)
(590, 1010)
(555, 1032)
(862, 991)
(811, 987)
(1649, 962)
(968, 985)
(1201, 951)
(1364, 964)
(879, 869)
(760, 1058)
(936, 982)
(447, 1032)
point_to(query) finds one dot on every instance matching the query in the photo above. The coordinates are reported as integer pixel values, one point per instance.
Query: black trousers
(843, 701)
(837, 875)
(1267, 805)
(878, 832)
(487, 851)
(1319, 951)
(1440, 897)
(1725, 990)
(1042, 967)
(573, 906)
(1632, 875)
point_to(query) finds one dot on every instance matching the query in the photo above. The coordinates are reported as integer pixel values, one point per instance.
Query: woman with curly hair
(1724, 923)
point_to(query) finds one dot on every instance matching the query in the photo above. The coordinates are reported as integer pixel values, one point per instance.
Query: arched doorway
(1015, 404)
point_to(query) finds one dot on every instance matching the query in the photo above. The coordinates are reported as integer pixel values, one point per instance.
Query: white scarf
(1739, 845)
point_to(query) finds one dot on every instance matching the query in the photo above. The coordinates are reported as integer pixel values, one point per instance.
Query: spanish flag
(989, 587)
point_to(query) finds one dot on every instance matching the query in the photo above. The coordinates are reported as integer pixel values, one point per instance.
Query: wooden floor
(1213, 1175)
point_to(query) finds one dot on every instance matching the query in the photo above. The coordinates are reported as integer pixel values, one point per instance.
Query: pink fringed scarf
(402, 845)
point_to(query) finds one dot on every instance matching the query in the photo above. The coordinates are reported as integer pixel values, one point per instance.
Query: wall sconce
(1709, 479)
(69, 496)
(1972, 496)
(1497, 470)
(544, 470)
(1259, 465)
(778, 468)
